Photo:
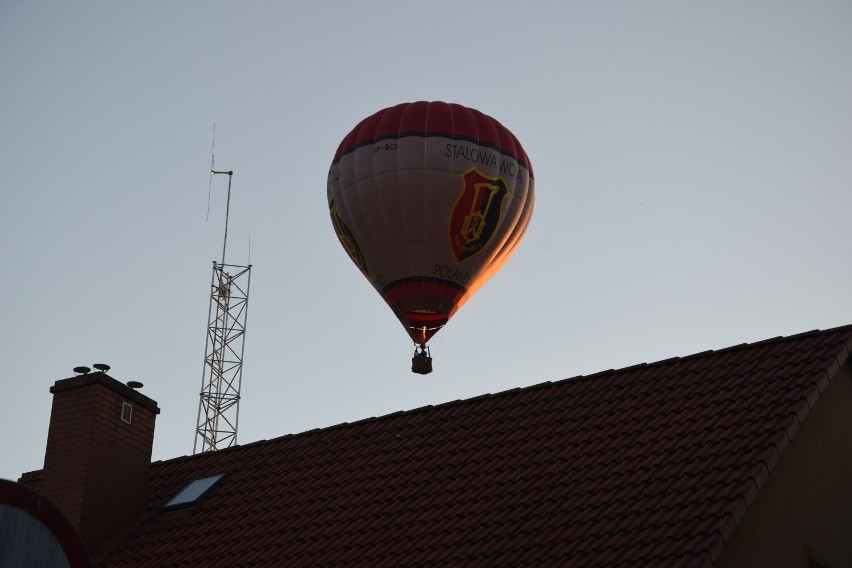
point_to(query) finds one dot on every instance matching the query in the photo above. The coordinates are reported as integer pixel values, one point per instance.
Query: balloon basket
(421, 363)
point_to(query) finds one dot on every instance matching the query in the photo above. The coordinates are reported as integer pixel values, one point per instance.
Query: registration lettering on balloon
(476, 214)
(387, 147)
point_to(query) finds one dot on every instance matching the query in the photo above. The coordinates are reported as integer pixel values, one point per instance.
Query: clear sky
(693, 166)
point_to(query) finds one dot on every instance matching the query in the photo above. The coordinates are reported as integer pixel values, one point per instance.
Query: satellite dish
(135, 384)
(81, 370)
(103, 367)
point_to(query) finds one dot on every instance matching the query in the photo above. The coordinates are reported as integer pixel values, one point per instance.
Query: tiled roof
(653, 464)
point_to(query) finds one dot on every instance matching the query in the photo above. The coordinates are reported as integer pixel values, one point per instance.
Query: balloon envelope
(429, 199)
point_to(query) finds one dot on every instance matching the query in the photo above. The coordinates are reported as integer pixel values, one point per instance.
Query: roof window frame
(193, 492)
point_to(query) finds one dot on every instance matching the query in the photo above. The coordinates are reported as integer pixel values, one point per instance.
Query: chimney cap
(135, 384)
(81, 370)
(101, 367)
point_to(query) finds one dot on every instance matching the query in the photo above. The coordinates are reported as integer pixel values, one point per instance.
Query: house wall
(804, 511)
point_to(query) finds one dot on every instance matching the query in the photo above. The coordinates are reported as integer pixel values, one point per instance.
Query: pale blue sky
(693, 165)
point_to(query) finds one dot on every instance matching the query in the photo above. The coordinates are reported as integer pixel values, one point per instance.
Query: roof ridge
(735, 347)
(529, 388)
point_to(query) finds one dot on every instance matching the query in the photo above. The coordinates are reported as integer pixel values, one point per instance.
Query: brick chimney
(98, 455)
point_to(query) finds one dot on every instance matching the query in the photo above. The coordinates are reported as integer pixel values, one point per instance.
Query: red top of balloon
(435, 118)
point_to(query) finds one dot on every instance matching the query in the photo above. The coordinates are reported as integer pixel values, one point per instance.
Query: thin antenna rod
(227, 209)
(212, 162)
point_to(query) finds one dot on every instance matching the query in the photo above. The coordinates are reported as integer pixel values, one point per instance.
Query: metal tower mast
(221, 379)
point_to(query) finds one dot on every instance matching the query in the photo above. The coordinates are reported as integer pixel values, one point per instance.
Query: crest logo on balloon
(476, 214)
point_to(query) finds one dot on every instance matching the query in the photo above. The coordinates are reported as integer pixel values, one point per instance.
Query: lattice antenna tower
(221, 380)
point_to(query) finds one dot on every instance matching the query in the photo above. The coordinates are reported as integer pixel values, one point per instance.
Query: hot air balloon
(429, 200)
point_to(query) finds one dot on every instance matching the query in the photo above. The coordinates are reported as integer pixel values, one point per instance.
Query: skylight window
(194, 490)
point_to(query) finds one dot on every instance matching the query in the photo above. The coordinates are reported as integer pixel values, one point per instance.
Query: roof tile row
(656, 463)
